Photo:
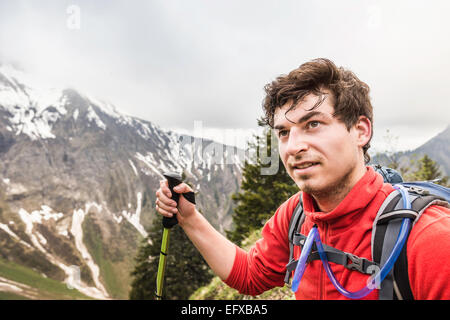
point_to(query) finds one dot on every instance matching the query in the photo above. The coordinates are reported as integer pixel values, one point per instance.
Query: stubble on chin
(332, 190)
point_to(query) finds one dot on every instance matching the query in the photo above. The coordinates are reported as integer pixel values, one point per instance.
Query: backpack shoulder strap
(385, 230)
(295, 224)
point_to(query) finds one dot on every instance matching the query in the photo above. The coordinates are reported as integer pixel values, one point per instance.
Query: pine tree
(261, 194)
(186, 270)
(428, 170)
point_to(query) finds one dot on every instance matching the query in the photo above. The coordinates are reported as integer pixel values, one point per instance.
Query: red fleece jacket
(348, 228)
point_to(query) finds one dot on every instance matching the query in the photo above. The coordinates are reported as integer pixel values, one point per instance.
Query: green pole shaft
(173, 180)
(162, 263)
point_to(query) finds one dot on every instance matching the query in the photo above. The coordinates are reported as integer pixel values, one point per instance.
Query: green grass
(11, 296)
(218, 290)
(46, 288)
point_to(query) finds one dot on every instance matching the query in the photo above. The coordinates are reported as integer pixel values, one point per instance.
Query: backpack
(385, 230)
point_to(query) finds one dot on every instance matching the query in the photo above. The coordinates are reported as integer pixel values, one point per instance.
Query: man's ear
(363, 129)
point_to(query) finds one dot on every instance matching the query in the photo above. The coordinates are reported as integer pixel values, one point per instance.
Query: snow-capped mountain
(78, 182)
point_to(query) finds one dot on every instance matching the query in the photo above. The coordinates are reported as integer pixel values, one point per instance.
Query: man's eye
(313, 124)
(282, 133)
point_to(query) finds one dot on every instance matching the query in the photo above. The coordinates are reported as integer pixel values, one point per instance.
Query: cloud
(175, 62)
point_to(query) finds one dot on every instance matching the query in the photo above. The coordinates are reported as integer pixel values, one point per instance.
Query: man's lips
(304, 166)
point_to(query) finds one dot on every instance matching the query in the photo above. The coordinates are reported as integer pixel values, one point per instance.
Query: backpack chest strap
(348, 260)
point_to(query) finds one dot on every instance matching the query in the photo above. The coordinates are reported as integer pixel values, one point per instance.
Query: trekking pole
(173, 179)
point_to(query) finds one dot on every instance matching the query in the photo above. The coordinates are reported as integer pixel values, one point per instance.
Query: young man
(322, 117)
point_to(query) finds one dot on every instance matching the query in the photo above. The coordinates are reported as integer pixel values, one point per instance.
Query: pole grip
(173, 180)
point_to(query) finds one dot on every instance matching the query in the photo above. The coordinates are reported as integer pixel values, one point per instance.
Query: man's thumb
(186, 191)
(181, 188)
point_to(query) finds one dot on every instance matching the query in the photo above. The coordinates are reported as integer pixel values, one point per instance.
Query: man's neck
(327, 201)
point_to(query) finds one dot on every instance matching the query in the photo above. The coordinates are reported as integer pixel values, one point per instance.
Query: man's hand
(218, 252)
(168, 207)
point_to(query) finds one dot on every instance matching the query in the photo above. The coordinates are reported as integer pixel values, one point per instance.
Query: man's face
(318, 151)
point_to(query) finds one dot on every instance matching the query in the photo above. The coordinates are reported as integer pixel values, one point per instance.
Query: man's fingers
(164, 213)
(165, 210)
(165, 198)
(170, 205)
(164, 186)
(164, 203)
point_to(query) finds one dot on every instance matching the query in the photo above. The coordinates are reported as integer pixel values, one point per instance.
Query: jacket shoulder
(428, 251)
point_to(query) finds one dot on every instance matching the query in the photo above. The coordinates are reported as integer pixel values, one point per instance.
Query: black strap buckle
(356, 263)
(418, 190)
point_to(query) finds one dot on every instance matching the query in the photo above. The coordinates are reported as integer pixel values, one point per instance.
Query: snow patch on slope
(134, 218)
(93, 117)
(33, 110)
(38, 241)
(5, 228)
(133, 166)
(77, 232)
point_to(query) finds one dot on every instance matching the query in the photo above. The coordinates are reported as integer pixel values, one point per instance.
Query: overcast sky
(175, 62)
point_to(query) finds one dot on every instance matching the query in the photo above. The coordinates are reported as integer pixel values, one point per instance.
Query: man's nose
(296, 142)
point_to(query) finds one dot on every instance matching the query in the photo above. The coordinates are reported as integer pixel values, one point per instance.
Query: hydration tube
(298, 274)
(313, 236)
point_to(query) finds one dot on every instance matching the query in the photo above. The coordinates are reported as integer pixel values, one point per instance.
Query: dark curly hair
(350, 95)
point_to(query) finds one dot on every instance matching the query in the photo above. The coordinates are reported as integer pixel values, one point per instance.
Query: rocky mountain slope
(437, 148)
(77, 184)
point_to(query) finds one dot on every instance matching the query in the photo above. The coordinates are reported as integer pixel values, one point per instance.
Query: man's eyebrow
(305, 118)
(279, 127)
